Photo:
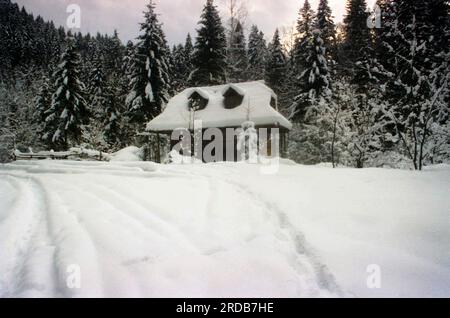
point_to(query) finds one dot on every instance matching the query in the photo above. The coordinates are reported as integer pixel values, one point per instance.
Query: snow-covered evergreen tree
(188, 55)
(104, 130)
(316, 115)
(127, 61)
(304, 28)
(357, 32)
(42, 103)
(113, 55)
(150, 77)
(209, 59)
(257, 54)
(113, 125)
(237, 55)
(68, 112)
(314, 83)
(325, 23)
(97, 89)
(179, 69)
(300, 51)
(276, 64)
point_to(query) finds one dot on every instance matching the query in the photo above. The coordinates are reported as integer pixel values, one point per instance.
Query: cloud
(179, 16)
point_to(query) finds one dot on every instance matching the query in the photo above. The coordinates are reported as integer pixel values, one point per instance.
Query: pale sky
(179, 16)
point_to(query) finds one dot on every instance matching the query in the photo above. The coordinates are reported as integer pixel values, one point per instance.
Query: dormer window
(232, 98)
(273, 102)
(197, 102)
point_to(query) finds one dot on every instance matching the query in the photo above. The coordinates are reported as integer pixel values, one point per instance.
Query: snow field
(221, 230)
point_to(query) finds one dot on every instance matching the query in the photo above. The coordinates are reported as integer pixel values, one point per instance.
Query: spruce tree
(257, 54)
(325, 23)
(42, 104)
(237, 55)
(113, 55)
(68, 112)
(188, 56)
(209, 60)
(357, 32)
(314, 83)
(304, 27)
(102, 96)
(384, 33)
(276, 64)
(150, 75)
(97, 88)
(43, 101)
(112, 123)
(179, 68)
(188, 52)
(127, 61)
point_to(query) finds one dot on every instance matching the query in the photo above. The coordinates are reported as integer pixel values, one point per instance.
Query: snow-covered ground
(221, 230)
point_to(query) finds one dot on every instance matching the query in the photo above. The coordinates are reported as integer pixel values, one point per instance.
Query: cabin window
(273, 102)
(197, 102)
(232, 99)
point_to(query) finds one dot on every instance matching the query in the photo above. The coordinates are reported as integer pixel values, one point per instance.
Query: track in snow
(146, 230)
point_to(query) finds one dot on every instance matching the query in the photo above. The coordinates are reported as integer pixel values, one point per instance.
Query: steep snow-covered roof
(255, 107)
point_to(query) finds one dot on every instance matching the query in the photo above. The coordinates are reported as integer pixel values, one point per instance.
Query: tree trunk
(158, 149)
(416, 167)
(422, 146)
(334, 140)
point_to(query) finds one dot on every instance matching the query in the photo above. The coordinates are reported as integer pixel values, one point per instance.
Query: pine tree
(68, 110)
(150, 78)
(257, 54)
(209, 60)
(237, 55)
(276, 64)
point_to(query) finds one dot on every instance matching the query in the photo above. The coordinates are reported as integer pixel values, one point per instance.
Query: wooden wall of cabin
(231, 141)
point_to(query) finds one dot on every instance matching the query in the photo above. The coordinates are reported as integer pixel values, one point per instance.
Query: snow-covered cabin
(224, 106)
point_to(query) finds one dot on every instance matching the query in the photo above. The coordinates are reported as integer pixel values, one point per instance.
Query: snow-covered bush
(6, 149)
(131, 153)
(391, 160)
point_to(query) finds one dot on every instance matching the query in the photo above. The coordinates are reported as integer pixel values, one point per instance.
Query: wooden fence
(75, 154)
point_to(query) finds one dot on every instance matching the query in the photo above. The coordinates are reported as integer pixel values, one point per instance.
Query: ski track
(54, 235)
(307, 260)
(32, 245)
